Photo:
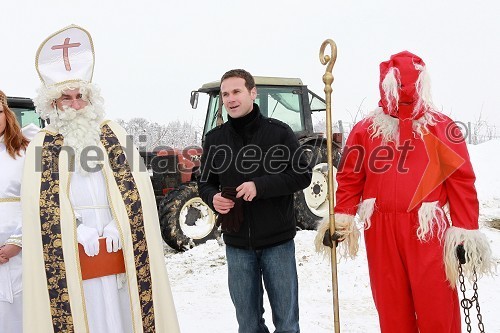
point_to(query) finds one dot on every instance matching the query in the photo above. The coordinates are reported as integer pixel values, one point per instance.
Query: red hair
(13, 138)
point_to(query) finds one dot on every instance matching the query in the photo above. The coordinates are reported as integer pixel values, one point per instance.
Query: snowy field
(198, 277)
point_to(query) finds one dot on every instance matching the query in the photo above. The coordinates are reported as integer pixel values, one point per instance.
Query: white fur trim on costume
(323, 226)
(430, 118)
(390, 86)
(365, 212)
(423, 87)
(387, 127)
(477, 254)
(345, 226)
(430, 214)
(383, 125)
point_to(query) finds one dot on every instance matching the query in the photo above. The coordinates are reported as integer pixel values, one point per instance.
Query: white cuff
(346, 227)
(477, 254)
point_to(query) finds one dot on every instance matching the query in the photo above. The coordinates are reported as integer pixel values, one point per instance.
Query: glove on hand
(329, 239)
(89, 238)
(233, 220)
(461, 254)
(110, 232)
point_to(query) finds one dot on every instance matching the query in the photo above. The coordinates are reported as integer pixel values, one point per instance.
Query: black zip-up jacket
(266, 152)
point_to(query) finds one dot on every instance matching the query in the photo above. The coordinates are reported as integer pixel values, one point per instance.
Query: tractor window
(282, 103)
(316, 103)
(213, 106)
(27, 116)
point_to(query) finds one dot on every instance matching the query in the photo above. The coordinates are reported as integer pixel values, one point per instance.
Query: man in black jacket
(252, 165)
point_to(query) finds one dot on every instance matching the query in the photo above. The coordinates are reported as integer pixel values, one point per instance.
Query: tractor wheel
(185, 220)
(311, 204)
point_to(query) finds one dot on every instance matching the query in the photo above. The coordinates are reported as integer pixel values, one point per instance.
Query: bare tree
(477, 127)
(359, 112)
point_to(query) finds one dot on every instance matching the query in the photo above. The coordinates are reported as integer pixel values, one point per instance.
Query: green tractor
(25, 111)
(186, 220)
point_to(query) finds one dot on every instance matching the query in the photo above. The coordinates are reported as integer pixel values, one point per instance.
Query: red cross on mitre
(72, 46)
(65, 46)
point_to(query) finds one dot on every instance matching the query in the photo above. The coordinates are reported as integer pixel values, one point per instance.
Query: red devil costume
(406, 172)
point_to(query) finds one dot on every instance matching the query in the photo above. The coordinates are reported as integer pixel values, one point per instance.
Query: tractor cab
(185, 220)
(25, 111)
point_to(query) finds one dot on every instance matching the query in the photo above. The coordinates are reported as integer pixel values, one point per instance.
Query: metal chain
(467, 303)
(478, 308)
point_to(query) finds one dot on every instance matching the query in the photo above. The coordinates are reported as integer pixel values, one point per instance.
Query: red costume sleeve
(461, 192)
(351, 172)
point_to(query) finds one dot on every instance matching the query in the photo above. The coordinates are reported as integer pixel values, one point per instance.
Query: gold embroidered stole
(50, 219)
(132, 200)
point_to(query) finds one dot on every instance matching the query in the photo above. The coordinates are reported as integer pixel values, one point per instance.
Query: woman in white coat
(12, 148)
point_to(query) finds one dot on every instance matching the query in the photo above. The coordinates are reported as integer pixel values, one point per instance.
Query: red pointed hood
(405, 67)
(399, 96)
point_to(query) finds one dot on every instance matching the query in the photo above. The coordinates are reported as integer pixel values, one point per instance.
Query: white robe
(106, 300)
(10, 229)
(38, 311)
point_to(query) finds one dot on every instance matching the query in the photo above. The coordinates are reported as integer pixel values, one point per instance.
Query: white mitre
(66, 56)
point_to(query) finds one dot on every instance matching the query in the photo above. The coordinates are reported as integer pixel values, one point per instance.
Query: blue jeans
(276, 266)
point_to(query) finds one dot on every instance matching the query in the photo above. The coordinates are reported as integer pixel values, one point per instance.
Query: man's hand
(9, 250)
(246, 191)
(221, 204)
(3, 257)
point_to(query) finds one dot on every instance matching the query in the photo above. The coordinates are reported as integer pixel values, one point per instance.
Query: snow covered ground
(198, 277)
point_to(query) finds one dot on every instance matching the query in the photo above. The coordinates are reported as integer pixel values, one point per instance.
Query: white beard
(81, 129)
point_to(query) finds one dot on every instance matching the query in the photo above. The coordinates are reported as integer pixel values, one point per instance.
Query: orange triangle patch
(443, 162)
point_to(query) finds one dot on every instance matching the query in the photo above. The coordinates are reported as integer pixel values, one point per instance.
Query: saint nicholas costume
(119, 289)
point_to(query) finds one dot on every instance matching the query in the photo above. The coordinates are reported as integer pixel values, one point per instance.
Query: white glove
(89, 238)
(110, 232)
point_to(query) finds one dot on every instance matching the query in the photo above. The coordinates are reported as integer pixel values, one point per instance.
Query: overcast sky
(151, 54)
